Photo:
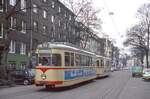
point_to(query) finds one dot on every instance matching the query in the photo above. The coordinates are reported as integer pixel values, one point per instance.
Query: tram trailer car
(102, 66)
(62, 65)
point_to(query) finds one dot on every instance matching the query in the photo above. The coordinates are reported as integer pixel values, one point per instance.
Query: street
(120, 85)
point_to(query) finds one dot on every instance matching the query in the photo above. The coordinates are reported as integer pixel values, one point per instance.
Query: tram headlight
(43, 76)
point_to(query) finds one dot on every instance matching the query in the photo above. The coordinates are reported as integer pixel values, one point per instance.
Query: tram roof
(99, 56)
(63, 45)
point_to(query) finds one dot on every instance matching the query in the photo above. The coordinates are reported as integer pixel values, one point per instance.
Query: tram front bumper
(41, 83)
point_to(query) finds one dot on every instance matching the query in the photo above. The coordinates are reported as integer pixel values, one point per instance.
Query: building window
(59, 23)
(23, 26)
(12, 2)
(70, 17)
(6, 6)
(52, 19)
(59, 9)
(13, 23)
(65, 15)
(74, 32)
(23, 5)
(1, 5)
(44, 14)
(12, 46)
(44, 29)
(23, 49)
(1, 30)
(69, 28)
(53, 4)
(35, 10)
(23, 65)
(35, 26)
(11, 65)
(65, 26)
(44, 0)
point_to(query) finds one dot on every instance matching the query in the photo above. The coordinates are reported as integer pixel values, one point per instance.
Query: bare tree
(5, 42)
(87, 15)
(138, 35)
(139, 53)
(137, 39)
(144, 16)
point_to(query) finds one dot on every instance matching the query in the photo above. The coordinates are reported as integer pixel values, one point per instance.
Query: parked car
(146, 74)
(25, 77)
(126, 68)
(112, 69)
(137, 71)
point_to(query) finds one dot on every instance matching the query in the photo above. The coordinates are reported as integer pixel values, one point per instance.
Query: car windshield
(31, 72)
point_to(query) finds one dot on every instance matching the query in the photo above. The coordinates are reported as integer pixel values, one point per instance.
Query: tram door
(97, 63)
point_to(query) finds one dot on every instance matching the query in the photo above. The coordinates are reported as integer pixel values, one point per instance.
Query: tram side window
(102, 63)
(77, 59)
(87, 61)
(90, 61)
(56, 60)
(84, 60)
(72, 59)
(107, 63)
(97, 63)
(67, 59)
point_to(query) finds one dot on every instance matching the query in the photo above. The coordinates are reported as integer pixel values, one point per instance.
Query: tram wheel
(48, 87)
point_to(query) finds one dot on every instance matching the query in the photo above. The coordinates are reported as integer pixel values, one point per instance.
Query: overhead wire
(110, 15)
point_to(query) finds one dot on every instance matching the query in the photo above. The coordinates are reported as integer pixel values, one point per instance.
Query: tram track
(121, 89)
(106, 93)
(115, 90)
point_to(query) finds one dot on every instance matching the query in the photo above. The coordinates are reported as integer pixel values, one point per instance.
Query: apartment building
(31, 22)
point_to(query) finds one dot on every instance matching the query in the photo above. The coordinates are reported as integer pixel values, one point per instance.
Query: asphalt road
(120, 85)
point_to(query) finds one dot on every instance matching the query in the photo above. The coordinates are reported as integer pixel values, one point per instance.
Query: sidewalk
(6, 86)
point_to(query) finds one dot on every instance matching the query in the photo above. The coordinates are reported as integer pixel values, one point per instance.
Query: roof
(63, 45)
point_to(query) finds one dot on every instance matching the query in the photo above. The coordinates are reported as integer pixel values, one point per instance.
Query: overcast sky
(124, 16)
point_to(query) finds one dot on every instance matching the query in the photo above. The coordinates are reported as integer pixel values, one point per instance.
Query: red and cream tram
(102, 66)
(61, 65)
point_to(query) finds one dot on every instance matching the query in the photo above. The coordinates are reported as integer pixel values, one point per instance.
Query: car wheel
(26, 82)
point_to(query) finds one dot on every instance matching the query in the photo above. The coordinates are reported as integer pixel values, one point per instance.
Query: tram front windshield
(50, 60)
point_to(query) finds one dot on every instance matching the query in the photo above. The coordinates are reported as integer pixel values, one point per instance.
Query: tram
(102, 66)
(61, 65)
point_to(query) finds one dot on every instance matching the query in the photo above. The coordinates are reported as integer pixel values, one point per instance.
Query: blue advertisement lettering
(72, 74)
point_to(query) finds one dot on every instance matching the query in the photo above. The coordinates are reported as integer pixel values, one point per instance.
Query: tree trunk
(147, 63)
(148, 46)
(142, 57)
